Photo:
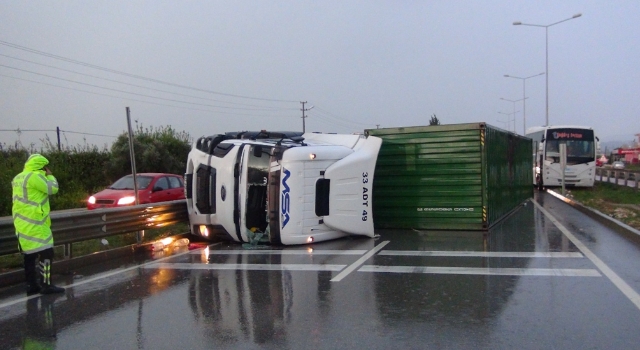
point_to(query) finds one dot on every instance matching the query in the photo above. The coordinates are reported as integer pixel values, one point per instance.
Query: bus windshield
(579, 142)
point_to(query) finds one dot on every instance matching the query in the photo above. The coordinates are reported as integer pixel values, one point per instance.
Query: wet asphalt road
(546, 277)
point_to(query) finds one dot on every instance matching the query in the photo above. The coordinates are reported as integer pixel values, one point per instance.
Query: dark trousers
(38, 261)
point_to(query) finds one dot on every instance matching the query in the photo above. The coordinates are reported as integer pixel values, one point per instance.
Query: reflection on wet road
(545, 277)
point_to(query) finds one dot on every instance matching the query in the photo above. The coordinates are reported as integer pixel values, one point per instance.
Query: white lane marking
(101, 276)
(358, 262)
(285, 252)
(484, 254)
(613, 277)
(482, 271)
(256, 267)
(617, 222)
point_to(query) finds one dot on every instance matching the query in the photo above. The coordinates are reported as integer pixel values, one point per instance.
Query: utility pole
(58, 133)
(303, 116)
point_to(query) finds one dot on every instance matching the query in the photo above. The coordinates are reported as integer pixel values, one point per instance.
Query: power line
(135, 100)
(338, 118)
(23, 48)
(146, 102)
(135, 93)
(18, 130)
(134, 85)
(66, 59)
(333, 123)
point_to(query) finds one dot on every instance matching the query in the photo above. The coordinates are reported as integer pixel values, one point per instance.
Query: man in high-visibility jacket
(31, 191)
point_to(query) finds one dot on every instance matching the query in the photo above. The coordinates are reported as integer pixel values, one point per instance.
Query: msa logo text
(284, 198)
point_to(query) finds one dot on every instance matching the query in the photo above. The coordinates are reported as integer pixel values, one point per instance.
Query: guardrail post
(68, 254)
(139, 236)
(636, 176)
(608, 175)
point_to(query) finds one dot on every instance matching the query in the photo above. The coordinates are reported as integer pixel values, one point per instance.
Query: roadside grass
(15, 261)
(619, 202)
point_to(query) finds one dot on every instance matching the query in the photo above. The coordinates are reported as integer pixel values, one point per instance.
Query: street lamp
(514, 110)
(509, 119)
(546, 30)
(524, 106)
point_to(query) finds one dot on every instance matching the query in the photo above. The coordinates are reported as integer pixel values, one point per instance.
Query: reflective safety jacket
(31, 191)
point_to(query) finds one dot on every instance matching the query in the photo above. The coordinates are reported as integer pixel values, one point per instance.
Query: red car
(152, 187)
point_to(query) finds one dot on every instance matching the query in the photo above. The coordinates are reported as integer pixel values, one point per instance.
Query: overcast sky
(208, 67)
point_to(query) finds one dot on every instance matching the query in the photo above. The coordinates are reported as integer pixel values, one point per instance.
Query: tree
(434, 120)
(161, 150)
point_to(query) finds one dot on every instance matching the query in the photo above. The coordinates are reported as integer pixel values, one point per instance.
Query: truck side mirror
(257, 151)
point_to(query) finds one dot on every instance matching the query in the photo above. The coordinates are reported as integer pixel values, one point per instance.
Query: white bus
(581, 144)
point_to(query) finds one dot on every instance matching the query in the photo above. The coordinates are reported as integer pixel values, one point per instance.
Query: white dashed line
(482, 271)
(483, 254)
(248, 267)
(359, 262)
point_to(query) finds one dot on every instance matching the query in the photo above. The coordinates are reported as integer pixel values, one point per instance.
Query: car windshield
(126, 183)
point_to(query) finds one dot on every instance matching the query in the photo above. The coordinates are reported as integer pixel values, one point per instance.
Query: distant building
(629, 155)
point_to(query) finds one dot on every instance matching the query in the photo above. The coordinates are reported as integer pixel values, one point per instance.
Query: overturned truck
(295, 188)
(281, 187)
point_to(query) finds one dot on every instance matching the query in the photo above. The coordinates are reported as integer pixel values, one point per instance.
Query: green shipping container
(449, 177)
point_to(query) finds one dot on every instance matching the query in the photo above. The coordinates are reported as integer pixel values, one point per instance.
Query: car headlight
(92, 200)
(126, 200)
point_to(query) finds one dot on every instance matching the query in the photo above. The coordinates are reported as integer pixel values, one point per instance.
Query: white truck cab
(281, 187)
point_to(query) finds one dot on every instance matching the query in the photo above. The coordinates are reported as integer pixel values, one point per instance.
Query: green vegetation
(84, 170)
(620, 202)
(81, 171)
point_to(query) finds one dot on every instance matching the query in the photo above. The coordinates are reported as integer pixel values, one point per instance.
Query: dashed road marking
(285, 252)
(482, 271)
(359, 262)
(248, 267)
(483, 254)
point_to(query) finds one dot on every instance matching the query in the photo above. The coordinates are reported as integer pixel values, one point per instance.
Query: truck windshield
(257, 180)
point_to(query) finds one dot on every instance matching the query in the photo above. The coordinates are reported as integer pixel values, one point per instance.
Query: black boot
(51, 289)
(47, 286)
(33, 289)
(31, 275)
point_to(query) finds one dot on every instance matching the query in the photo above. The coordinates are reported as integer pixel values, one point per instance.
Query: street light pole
(546, 29)
(508, 119)
(514, 110)
(524, 106)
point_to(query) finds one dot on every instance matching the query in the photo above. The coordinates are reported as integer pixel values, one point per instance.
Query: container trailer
(449, 177)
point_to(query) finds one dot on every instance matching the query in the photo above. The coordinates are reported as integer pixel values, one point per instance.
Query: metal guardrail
(619, 177)
(81, 225)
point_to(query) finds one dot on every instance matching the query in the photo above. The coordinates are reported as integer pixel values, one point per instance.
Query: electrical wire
(338, 119)
(322, 114)
(23, 48)
(134, 85)
(141, 101)
(18, 130)
(138, 94)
